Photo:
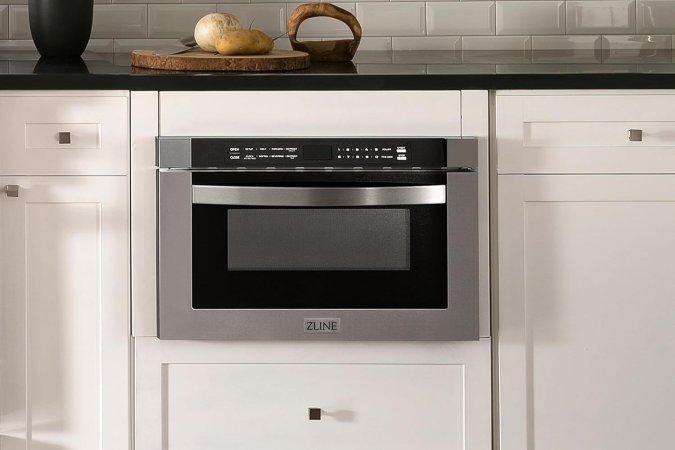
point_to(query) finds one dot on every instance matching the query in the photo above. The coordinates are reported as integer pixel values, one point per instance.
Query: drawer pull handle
(64, 137)
(11, 190)
(314, 413)
(635, 135)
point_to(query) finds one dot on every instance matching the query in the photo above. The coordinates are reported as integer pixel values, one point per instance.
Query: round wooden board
(199, 60)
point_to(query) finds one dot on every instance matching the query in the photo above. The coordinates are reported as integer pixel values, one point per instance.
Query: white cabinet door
(587, 312)
(64, 314)
(256, 395)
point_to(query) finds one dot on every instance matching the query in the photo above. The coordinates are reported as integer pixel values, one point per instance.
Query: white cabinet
(64, 312)
(585, 131)
(310, 113)
(586, 335)
(64, 133)
(372, 396)
(65, 345)
(587, 312)
(205, 395)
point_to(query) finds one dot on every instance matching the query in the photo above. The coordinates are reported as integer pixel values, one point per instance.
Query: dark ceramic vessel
(61, 28)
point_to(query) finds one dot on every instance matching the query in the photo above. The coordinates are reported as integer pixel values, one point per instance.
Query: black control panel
(318, 152)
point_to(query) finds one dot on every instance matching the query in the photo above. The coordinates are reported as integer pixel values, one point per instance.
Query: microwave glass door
(340, 256)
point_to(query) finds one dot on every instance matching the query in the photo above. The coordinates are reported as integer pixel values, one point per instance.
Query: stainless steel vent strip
(301, 196)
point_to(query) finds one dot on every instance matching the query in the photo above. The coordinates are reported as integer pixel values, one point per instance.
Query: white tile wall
(167, 21)
(393, 24)
(600, 16)
(4, 22)
(655, 16)
(392, 19)
(530, 17)
(462, 18)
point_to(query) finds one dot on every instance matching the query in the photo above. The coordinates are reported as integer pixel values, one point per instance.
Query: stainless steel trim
(301, 196)
(461, 153)
(463, 254)
(174, 152)
(11, 190)
(178, 320)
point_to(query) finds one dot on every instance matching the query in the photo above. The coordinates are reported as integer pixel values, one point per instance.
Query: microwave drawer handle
(300, 196)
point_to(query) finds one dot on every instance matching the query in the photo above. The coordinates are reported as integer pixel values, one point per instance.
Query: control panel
(318, 152)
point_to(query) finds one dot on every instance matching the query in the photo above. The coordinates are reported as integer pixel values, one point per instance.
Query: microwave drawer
(308, 406)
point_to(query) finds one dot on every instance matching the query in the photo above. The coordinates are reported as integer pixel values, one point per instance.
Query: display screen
(317, 152)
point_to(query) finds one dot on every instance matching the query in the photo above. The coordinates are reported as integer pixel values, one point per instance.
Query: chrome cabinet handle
(301, 196)
(314, 413)
(635, 135)
(11, 190)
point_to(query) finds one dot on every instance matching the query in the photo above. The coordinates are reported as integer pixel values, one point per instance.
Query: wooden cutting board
(199, 60)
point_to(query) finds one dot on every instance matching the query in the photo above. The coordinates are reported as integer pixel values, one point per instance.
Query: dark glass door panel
(217, 286)
(318, 239)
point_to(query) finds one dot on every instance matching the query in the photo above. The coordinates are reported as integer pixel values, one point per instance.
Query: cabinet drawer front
(568, 133)
(303, 113)
(64, 135)
(257, 406)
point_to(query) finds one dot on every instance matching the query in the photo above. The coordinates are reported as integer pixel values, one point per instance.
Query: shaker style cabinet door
(587, 312)
(63, 313)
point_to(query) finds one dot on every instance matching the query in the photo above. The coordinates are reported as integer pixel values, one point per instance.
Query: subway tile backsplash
(123, 25)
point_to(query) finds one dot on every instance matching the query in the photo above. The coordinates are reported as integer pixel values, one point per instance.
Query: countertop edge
(331, 82)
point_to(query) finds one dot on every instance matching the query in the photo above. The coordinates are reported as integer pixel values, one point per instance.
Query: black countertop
(403, 70)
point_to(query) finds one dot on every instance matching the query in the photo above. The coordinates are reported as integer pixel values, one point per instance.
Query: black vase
(61, 28)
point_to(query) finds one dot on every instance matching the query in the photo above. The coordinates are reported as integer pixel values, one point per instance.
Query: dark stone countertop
(370, 70)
